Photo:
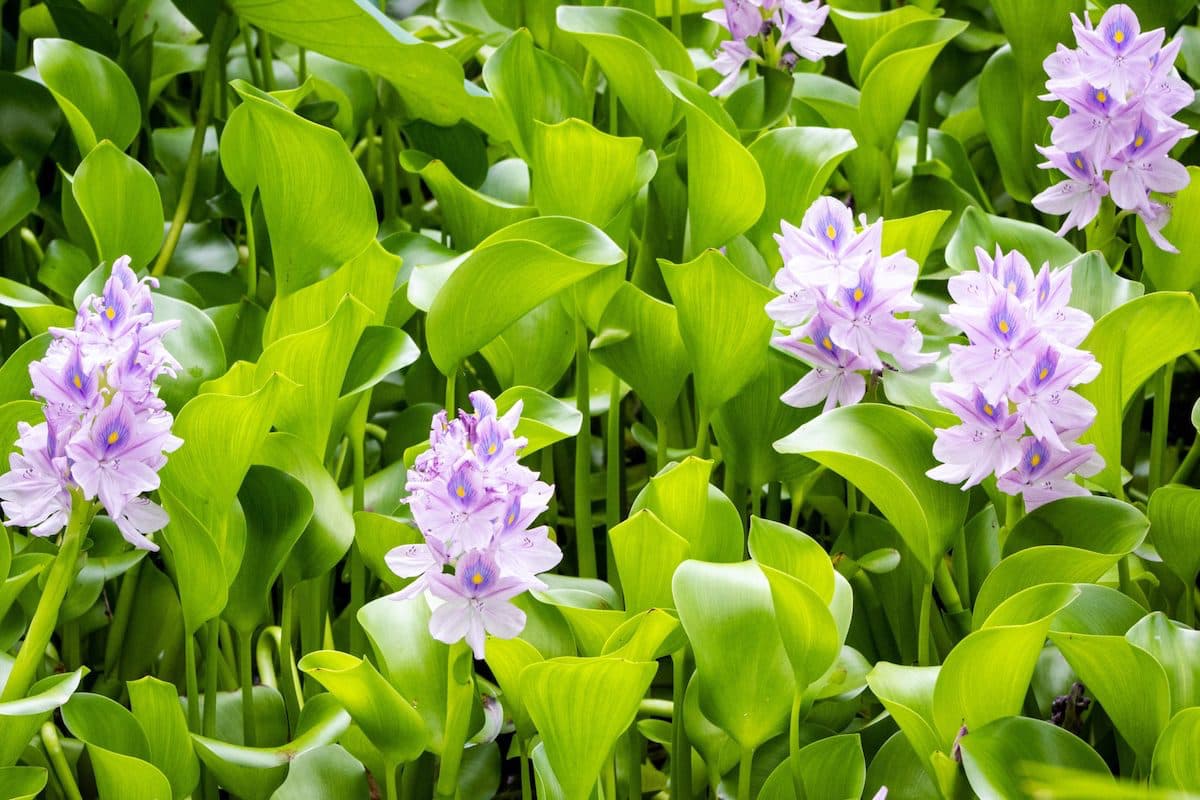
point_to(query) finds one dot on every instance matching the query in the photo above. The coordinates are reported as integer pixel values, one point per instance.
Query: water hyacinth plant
(755, 399)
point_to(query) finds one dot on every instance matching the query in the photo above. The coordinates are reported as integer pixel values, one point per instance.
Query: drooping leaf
(95, 95)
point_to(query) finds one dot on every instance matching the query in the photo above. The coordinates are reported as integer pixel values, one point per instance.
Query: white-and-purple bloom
(1122, 92)
(783, 29)
(840, 306)
(1013, 382)
(474, 503)
(106, 431)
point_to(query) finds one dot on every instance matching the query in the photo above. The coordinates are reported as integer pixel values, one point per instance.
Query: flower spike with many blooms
(106, 431)
(1122, 93)
(766, 31)
(1013, 382)
(841, 297)
(474, 504)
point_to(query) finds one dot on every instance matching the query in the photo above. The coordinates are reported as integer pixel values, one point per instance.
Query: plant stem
(800, 707)
(62, 574)
(744, 763)
(924, 112)
(702, 422)
(681, 748)
(661, 445)
(1159, 432)
(391, 163)
(584, 536)
(1189, 462)
(251, 253)
(58, 760)
(389, 782)
(614, 458)
(267, 53)
(358, 569)
(212, 656)
(885, 184)
(774, 499)
(246, 678)
(526, 789)
(676, 20)
(120, 621)
(459, 698)
(192, 681)
(216, 52)
(450, 401)
(251, 59)
(948, 592)
(292, 699)
(923, 656)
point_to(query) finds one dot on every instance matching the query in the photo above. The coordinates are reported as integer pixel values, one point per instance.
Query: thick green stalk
(676, 20)
(251, 59)
(801, 704)
(212, 657)
(246, 678)
(948, 592)
(267, 53)
(251, 254)
(1189, 462)
(924, 112)
(62, 574)
(1159, 432)
(192, 681)
(358, 569)
(744, 764)
(460, 681)
(702, 422)
(292, 698)
(923, 655)
(885, 184)
(58, 760)
(389, 783)
(391, 166)
(614, 458)
(191, 172)
(661, 444)
(120, 623)
(681, 748)
(526, 788)
(450, 401)
(584, 535)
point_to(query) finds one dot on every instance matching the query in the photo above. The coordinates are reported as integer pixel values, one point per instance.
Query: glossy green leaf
(22, 783)
(195, 343)
(96, 97)
(995, 754)
(323, 773)
(682, 498)
(716, 161)
(1177, 648)
(1175, 765)
(832, 769)
(646, 553)
(1131, 343)
(357, 32)
(746, 684)
(896, 766)
(806, 626)
(648, 636)
(156, 707)
(118, 748)
(712, 294)
(581, 707)
(11, 413)
(120, 201)
(792, 552)
(907, 694)
(386, 717)
(381, 351)
(509, 274)
(1175, 271)
(1126, 680)
(23, 717)
(628, 46)
(885, 452)
(195, 562)
(536, 350)
(18, 195)
(978, 229)
(1175, 529)
(36, 311)
(544, 419)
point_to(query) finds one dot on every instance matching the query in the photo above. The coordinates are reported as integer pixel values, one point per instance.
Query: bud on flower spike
(474, 504)
(106, 432)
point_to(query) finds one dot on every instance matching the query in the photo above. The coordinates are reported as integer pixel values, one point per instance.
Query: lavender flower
(840, 305)
(776, 32)
(474, 503)
(1013, 382)
(106, 431)
(1122, 92)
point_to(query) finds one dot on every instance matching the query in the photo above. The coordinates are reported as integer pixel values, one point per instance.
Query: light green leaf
(885, 452)
(23, 717)
(323, 773)
(1172, 271)
(995, 755)
(806, 626)
(907, 694)
(1175, 765)
(682, 499)
(1175, 529)
(22, 783)
(832, 769)
(544, 419)
(118, 748)
(96, 96)
(18, 195)
(646, 553)
(157, 710)
(1177, 648)
(381, 350)
(120, 201)
(36, 311)
(978, 229)
(508, 658)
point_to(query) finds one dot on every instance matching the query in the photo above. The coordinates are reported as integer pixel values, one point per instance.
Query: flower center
(858, 295)
(1138, 142)
(830, 232)
(1042, 375)
(1119, 36)
(109, 313)
(77, 382)
(1035, 459)
(988, 409)
(113, 437)
(460, 491)
(477, 578)
(1102, 96)
(1002, 326)
(828, 345)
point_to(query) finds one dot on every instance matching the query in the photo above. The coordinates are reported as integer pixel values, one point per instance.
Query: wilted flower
(1122, 92)
(1012, 389)
(840, 305)
(106, 431)
(474, 504)
(779, 30)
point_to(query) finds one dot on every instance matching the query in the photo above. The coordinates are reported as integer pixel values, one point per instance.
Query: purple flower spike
(1013, 383)
(106, 431)
(1122, 92)
(474, 503)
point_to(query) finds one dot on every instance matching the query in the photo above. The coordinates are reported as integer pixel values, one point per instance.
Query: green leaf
(832, 769)
(18, 195)
(1177, 648)
(571, 154)
(277, 508)
(118, 748)
(716, 163)
(646, 553)
(381, 350)
(1131, 342)
(978, 229)
(36, 311)
(157, 709)
(1175, 529)
(1175, 765)
(1171, 271)
(22, 783)
(995, 755)
(710, 295)
(1126, 680)
(639, 341)
(386, 717)
(319, 217)
(509, 274)
(530, 86)
(95, 95)
(23, 717)
(544, 419)
(745, 680)
(916, 235)
(893, 70)
(885, 452)
(628, 46)
(896, 766)
(861, 30)
(357, 32)
(15, 383)
(536, 349)
(323, 773)
(806, 626)
(120, 201)
(196, 344)
(907, 694)
(682, 499)
(581, 707)
(792, 552)
(508, 658)
(469, 215)
(195, 562)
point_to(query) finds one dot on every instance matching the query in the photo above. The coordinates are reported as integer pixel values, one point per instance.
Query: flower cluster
(474, 503)
(778, 31)
(1013, 383)
(106, 430)
(839, 306)
(1122, 91)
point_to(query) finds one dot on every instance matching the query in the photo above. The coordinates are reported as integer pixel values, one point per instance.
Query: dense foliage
(477, 398)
